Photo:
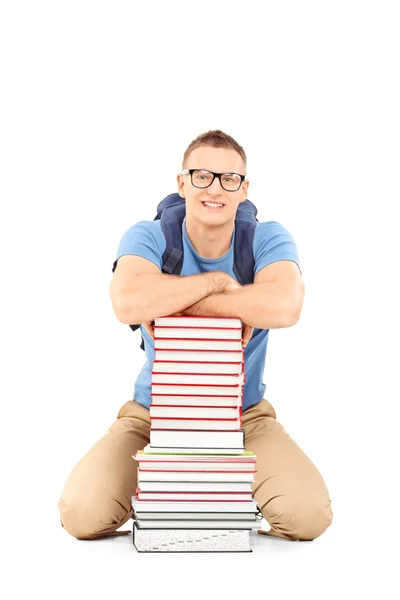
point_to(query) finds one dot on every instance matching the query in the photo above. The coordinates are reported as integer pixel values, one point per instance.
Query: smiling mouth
(213, 205)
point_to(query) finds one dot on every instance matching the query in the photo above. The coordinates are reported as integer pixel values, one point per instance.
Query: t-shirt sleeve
(144, 239)
(272, 242)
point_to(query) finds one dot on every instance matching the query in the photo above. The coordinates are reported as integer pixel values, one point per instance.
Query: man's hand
(228, 284)
(149, 327)
(247, 332)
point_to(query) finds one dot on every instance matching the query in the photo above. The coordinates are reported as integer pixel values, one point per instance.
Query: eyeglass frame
(218, 175)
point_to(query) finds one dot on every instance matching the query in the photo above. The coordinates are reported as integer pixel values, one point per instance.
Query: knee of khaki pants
(96, 499)
(88, 518)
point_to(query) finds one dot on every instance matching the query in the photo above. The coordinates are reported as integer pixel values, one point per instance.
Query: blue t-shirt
(271, 243)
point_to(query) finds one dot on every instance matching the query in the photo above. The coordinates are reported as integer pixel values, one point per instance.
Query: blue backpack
(171, 211)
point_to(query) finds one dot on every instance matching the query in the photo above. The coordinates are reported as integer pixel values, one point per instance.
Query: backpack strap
(171, 211)
(243, 257)
(171, 224)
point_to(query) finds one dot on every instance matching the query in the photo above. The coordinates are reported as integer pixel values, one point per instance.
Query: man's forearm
(160, 294)
(264, 305)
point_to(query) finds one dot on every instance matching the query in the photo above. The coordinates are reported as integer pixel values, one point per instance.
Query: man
(288, 488)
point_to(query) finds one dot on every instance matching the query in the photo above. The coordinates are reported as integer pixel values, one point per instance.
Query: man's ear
(245, 190)
(181, 183)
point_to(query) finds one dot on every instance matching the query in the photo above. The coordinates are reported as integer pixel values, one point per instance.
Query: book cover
(196, 439)
(165, 389)
(194, 486)
(144, 515)
(218, 368)
(199, 524)
(198, 321)
(196, 507)
(191, 540)
(247, 456)
(186, 400)
(193, 496)
(241, 476)
(198, 333)
(193, 412)
(215, 356)
(195, 344)
(193, 451)
(190, 424)
(191, 379)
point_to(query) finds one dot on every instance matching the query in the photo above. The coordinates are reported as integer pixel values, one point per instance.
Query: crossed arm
(273, 301)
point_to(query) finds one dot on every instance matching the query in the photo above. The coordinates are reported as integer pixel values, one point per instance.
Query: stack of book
(194, 478)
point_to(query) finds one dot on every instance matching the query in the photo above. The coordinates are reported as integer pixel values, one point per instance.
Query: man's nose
(215, 187)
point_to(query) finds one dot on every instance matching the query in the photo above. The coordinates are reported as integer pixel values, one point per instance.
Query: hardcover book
(191, 540)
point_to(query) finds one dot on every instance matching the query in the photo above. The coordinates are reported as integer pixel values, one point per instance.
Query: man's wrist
(219, 281)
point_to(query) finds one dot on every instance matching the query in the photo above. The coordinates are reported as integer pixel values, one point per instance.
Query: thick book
(198, 333)
(212, 379)
(194, 507)
(197, 524)
(246, 458)
(215, 356)
(193, 496)
(194, 486)
(188, 321)
(150, 457)
(193, 412)
(158, 423)
(144, 515)
(191, 540)
(241, 476)
(209, 401)
(195, 344)
(193, 451)
(218, 368)
(170, 438)
(195, 390)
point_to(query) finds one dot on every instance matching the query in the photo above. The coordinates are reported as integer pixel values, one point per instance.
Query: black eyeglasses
(202, 178)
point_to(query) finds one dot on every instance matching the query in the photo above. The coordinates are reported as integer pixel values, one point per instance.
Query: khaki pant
(288, 488)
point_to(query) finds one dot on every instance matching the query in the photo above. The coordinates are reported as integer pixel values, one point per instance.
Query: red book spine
(201, 362)
(195, 327)
(191, 349)
(193, 471)
(198, 339)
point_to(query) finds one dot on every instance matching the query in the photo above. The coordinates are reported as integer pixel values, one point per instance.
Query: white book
(193, 451)
(195, 334)
(196, 524)
(198, 367)
(201, 507)
(196, 344)
(188, 467)
(158, 423)
(170, 438)
(191, 540)
(142, 515)
(144, 475)
(196, 390)
(199, 356)
(188, 321)
(194, 486)
(193, 412)
(148, 457)
(195, 379)
(193, 496)
(211, 401)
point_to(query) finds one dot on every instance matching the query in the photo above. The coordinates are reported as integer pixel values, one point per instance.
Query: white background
(99, 101)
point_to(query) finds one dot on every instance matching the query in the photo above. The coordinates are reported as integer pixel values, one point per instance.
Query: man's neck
(209, 242)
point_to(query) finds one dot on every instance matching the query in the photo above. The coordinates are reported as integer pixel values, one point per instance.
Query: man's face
(218, 160)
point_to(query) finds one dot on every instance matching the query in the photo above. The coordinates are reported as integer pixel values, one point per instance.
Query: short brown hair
(216, 139)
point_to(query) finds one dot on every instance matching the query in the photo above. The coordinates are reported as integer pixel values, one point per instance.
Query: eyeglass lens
(229, 181)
